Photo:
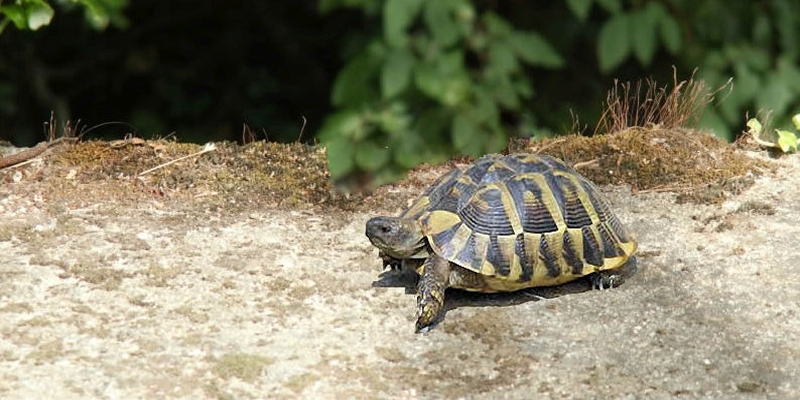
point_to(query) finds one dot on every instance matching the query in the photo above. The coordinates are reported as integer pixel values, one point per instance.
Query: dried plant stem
(31, 153)
(646, 104)
(207, 148)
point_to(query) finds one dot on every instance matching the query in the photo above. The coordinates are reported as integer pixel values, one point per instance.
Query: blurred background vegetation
(384, 84)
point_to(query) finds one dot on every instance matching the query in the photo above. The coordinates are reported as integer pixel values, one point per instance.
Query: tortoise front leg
(612, 278)
(389, 261)
(430, 292)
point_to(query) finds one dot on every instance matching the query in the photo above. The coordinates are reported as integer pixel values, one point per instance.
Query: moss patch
(246, 367)
(258, 174)
(655, 159)
(263, 174)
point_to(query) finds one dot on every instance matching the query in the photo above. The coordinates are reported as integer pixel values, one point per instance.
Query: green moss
(158, 276)
(47, 352)
(197, 317)
(213, 391)
(36, 322)
(300, 382)
(246, 367)
(655, 159)
(96, 274)
(231, 176)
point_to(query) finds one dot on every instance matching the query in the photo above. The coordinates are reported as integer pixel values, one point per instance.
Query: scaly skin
(612, 278)
(430, 292)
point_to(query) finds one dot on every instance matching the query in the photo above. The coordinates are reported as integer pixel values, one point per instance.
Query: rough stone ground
(148, 300)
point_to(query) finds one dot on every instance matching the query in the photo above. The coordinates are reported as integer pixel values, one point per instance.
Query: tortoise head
(397, 237)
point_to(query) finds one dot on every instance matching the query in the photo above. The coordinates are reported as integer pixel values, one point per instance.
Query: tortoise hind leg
(430, 292)
(612, 278)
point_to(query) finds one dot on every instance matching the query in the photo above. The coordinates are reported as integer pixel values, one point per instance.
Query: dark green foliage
(637, 32)
(452, 74)
(200, 69)
(434, 82)
(34, 14)
(386, 84)
(755, 46)
(26, 14)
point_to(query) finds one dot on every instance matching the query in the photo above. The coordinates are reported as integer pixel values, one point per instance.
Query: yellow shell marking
(474, 246)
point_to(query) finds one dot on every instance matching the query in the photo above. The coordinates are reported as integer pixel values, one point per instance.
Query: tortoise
(504, 224)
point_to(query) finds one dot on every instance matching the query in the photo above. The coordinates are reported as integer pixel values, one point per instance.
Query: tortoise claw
(613, 278)
(390, 262)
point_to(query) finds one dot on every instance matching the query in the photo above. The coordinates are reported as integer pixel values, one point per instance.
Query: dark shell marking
(522, 218)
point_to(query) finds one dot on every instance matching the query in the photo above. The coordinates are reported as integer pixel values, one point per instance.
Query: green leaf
(464, 16)
(523, 87)
(96, 14)
(580, 8)
(670, 33)
(747, 83)
(775, 95)
(712, 121)
(100, 13)
(457, 90)
(496, 25)
(410, 151)
(796, 121)
(787, 141)
(398, 15)
(612, 6)
(444, 79)
(394, 119)
(503, 91)
(396, 73)
(467, 137)
(347, 123)
(429, 80)
(729, 110)
(496, 141)
(439, 17)
(643, 33)
(451, 62)
(353, 86)
(502, 59)
(39, 14)
(613, 44)
(762, 30)
(478, 41)
(433, 123)
(3, 24)
(326, 6)
(340, 156)
(785, 21)
(754, 126)
(16, 14)
(486, 108)
(532, 48)
(370, 156)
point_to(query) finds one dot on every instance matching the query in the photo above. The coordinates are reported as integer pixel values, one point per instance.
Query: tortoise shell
(528, 220)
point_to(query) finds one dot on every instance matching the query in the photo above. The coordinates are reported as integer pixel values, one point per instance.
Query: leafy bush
(783, 139)
(446, 78)
(635, 32)
(34, 14)
(435, 83)
(753, 45)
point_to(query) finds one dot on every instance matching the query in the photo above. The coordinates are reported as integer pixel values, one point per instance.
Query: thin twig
(583, 164)
(208, 147)
(32, 152)
(302, 128)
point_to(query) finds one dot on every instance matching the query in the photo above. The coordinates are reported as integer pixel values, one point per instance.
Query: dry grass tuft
(644, 139)
(645, 104)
